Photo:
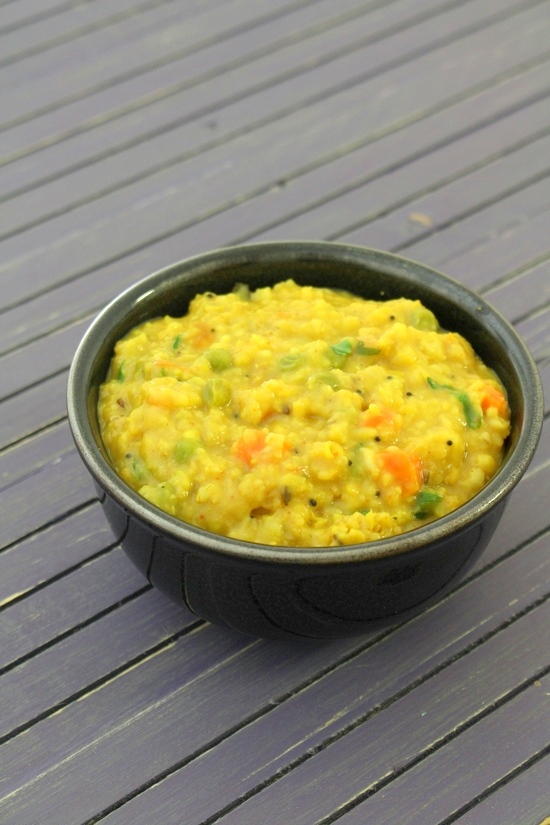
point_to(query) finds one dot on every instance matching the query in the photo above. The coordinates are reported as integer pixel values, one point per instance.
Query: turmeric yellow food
(302, 416)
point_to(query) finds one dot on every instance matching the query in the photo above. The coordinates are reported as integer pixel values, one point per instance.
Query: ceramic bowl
(317, 593)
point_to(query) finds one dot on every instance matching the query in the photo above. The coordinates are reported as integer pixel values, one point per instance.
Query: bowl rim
(497, 489)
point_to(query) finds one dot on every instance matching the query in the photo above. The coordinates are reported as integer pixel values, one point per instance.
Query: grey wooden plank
(66, 603)
(484, 754)
(391, 736)
(48, 553)
(78, 249)
(40, 359)
(439, 186)
(129, 48)
(145, 627)
(94, 26)
(190, 54)
(22, 12)
(472, 229)
(53, 491)
(190, 671)
(308, 57)
(60, 305)
(21, 462)
(347, 207)
(154, 102)
(520, 295)
(527, 205)
(535, 331)
(42, 405)
(511, 247)
(257, 676)
(525, 798)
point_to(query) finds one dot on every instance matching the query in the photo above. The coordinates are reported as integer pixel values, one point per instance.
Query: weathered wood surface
(134, 133)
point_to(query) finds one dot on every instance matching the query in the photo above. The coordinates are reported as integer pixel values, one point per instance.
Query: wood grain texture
(155, 205)
(135, 133)
(321, 713)
(522, 800)
(297, 195)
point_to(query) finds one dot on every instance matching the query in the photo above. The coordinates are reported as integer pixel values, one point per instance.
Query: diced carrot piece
(203, 336)
(375, 416)
(248, 445)
(164, 363)
(405, 467)
(493, 397)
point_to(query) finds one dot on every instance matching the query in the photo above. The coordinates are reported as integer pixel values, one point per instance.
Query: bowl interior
(367, 273)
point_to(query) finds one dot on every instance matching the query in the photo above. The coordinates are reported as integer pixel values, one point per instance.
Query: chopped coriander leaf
(176, 342)
(339, 353)
(427, 496)
(120, 374)
(345, 347)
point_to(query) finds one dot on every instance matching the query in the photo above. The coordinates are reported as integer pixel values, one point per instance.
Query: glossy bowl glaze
(304, 592)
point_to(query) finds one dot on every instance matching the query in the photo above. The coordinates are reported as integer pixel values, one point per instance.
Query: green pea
(243, 291)
(217, 392)
(327, 378)
(219, 359)
(186, 448)
(291, 362)
(423, 319)
(138, 468)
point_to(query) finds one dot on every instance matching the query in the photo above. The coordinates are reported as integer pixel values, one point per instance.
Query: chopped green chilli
(473, 417)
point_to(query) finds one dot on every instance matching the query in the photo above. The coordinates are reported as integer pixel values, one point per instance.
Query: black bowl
(304, 592)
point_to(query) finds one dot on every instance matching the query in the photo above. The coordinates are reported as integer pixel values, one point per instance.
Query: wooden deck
(134, 133)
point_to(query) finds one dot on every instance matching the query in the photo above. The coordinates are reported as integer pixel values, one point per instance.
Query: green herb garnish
(361, 349)
(291, 361)
(345, 347)
(243, 291)
(186, 448)
(473, 417)
(426, 501)
(339, 353)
